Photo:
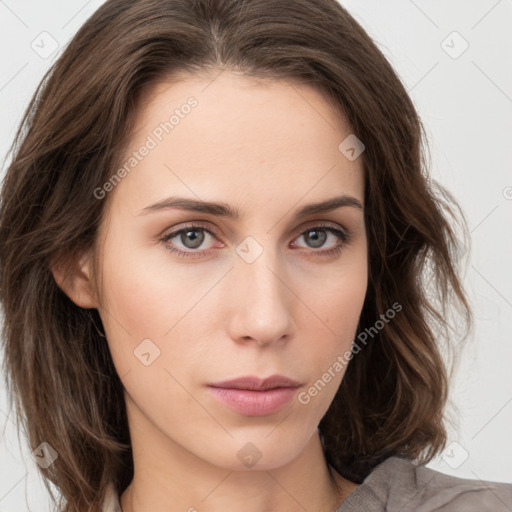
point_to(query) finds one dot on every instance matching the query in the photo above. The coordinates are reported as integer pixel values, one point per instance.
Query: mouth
(252, 396)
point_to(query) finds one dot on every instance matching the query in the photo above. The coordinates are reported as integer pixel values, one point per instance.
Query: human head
(77, 128)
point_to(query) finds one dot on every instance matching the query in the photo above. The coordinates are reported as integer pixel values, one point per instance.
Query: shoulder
(433, 490)
(398, 484)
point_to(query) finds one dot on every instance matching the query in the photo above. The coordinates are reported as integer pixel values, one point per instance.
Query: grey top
(398, 485)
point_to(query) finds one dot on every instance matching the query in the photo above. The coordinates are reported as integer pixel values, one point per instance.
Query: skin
(266, 147)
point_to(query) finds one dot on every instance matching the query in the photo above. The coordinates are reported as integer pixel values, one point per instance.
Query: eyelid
(343, 235)
(192, 224)
(207, 226)
(320, 224)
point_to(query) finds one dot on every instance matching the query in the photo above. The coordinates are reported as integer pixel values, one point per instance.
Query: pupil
(196, 239)
(318, 241)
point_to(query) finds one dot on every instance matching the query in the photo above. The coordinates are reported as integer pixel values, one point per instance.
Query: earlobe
(74, 278)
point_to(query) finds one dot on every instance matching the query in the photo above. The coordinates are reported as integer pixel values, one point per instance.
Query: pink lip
(253, 396)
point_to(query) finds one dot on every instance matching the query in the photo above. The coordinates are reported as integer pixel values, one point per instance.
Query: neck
(181, 482)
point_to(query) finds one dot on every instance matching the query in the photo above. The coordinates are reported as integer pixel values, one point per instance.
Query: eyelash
(344, 236)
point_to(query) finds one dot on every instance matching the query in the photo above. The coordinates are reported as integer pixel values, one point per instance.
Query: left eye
(192, 237)
(320, 235)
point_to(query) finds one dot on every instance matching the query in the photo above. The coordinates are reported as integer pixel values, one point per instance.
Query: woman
(216, 233)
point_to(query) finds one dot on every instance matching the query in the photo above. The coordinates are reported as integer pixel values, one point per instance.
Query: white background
(466, 105)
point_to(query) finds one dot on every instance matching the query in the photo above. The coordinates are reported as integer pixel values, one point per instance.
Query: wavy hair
(58, 368)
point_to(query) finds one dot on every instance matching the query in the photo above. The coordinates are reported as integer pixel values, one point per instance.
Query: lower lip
(254, 403)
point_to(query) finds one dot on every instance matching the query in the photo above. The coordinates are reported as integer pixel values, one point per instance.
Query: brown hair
(58, 367)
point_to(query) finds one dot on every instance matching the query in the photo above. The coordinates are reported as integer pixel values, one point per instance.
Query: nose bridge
(264, 303)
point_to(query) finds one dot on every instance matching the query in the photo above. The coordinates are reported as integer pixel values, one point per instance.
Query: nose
(262, 304)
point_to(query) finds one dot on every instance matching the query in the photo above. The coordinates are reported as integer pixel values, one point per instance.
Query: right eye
(191, 237)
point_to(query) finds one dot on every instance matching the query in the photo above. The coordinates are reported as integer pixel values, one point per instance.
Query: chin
(265, 450)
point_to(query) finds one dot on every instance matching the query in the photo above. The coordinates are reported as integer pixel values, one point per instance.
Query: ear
(74, 277)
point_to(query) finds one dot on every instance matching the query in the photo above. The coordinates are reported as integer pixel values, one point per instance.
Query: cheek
(329, 342)
(338, 300)
(139, 301)
(142, 289)
(148, 297)
(145, 318)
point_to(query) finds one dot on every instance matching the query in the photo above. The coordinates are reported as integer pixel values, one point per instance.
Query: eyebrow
(225, 210)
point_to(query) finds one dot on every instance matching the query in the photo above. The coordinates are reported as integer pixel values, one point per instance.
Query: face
(191, 298)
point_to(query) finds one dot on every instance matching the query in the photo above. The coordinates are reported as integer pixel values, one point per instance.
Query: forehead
(213, 136)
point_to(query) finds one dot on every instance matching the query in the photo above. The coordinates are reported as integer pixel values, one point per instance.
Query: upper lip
(257, 383)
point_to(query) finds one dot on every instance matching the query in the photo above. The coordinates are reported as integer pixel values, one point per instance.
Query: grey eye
(192, 236)
(318, 239)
